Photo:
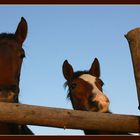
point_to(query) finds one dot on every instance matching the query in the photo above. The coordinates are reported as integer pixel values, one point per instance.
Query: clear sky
(78, 34)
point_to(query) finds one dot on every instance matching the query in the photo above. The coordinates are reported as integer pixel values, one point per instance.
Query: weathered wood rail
(66, 118)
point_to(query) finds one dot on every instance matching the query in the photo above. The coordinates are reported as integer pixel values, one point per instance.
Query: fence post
(133, 38)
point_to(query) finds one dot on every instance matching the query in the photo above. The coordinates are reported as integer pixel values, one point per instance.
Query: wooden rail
(66, 118)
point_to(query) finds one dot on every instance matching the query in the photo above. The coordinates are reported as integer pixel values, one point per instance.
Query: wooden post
(66, 118)
(133, 38)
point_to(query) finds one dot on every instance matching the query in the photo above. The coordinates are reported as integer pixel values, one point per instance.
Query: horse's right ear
(21, 31)
(67, 70)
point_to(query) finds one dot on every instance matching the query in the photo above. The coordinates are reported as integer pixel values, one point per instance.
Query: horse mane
(9, 36)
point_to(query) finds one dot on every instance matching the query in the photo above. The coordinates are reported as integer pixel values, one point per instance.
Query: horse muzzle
(9, 94)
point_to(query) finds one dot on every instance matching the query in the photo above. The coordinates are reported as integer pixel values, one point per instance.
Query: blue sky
(79, 34)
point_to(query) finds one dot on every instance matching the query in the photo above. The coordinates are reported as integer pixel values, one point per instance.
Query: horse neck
(8, 128)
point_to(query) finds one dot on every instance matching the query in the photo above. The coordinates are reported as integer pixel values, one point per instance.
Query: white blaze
(91, 80)
(99, 96)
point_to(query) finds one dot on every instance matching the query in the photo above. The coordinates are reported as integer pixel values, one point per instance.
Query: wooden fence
(66, 118)
(72, 119)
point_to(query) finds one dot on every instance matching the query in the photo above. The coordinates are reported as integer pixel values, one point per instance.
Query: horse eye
(73, 86)
(22, 54)
(101, 82)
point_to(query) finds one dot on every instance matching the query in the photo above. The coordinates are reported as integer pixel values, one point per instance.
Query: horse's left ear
(95, 68)
(21, 31)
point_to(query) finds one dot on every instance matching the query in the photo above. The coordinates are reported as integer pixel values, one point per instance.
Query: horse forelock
(8, 36)
(75, 75)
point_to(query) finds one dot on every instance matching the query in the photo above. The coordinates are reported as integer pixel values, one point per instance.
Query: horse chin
(7, 96)
(98, 107)
(94, 109)
(104, 107)
(81, 108)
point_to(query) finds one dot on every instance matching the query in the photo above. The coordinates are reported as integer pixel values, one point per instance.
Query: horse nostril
(16, 99)
(94, 103)
(90, 98)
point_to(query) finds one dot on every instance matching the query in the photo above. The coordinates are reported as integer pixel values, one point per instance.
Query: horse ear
(21, 31)
(67, 70)
(95, 68)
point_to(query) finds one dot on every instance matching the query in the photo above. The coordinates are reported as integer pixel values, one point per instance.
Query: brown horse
(11, 56)
(85, 91)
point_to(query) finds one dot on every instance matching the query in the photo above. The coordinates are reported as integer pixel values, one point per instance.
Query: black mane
(7, 36)
(79, 73)
(76, 75)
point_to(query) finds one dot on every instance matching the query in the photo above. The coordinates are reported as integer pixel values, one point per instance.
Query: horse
(11, 57)
(85, 91)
